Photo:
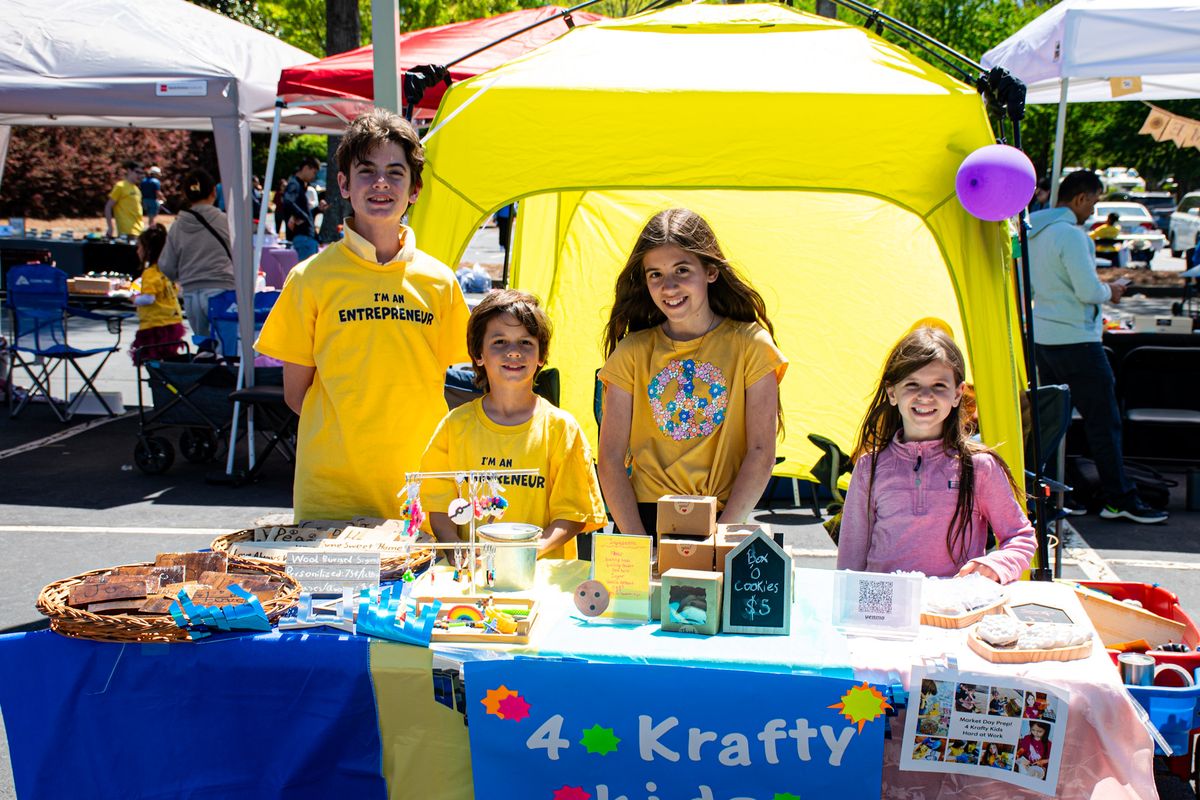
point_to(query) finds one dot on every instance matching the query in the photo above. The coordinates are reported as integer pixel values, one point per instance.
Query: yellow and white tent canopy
(823, 156)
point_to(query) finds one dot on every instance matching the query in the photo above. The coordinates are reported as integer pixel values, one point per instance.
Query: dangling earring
(460, 509)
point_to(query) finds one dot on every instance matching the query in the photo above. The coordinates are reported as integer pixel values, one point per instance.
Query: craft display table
(324, 714)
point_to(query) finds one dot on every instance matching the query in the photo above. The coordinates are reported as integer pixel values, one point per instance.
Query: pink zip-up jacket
(916, 489)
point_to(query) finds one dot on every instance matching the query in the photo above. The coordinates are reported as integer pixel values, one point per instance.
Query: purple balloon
(995, 182)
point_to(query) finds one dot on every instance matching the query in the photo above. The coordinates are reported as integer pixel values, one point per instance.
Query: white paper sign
(322, 571)
(181, 88)
(877, 604)
(988, 726)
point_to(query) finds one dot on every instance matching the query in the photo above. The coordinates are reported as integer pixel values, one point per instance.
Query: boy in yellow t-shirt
(366, 329)
(510, 427)
(125, 203)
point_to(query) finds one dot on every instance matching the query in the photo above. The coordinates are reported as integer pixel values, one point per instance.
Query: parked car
(1137, 228)
(1123, 179)
(1160, 204)
(1185, 224)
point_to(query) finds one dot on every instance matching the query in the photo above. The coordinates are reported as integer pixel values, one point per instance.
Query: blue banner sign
(547, 730)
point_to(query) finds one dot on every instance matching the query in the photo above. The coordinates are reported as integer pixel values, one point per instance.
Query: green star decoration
(599, 740)
(786, 796)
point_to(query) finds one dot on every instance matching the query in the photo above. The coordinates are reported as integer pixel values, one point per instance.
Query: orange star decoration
(862, 704)
(494, 696)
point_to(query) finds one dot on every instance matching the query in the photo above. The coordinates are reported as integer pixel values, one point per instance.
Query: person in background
(197, 253)
(152, 196)
(298, 213)
(1041, 196)
(123, 211)
(1067, 295)
(160, 322)
(256, 197)
(277, 207)
(1105, 237)
(504, 224)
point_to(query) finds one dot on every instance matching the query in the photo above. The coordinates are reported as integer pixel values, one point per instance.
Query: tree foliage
(68, 172)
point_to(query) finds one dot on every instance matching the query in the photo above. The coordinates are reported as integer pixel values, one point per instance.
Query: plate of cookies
(1003, 639)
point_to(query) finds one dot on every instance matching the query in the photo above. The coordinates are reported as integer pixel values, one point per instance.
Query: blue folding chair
(267, 401)
(223, 318)
(38, 302)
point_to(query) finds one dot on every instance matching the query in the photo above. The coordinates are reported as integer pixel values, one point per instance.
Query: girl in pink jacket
(923, 493)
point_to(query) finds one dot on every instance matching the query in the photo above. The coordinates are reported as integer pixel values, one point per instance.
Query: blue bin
(1173, 710)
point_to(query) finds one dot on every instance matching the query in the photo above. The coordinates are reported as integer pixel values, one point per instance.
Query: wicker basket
(390, 567)
(83, 624)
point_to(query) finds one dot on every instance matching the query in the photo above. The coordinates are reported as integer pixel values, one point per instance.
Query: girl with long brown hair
(691, 378)
(923, 492)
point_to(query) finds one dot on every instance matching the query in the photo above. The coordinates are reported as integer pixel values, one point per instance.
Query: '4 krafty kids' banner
(544, 730)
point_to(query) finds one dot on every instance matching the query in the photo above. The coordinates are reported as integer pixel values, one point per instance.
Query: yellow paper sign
(1123, 86)
(622, 564)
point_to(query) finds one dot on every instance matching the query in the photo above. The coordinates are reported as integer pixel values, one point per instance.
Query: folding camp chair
(38, 303)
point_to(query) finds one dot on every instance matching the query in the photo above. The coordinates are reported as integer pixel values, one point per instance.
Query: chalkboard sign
(758, 587)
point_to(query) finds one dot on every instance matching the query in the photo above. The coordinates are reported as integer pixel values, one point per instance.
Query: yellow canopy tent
(823, 156)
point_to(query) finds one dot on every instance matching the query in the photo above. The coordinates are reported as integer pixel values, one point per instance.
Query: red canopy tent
(350, 75)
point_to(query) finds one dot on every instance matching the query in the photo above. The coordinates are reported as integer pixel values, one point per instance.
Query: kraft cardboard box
(687, 515)
(690, 601)
(730, 536)
(678, 552)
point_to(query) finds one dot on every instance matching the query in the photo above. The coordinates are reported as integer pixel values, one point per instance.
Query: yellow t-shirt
(550, 442)
(165, 308)
(127, 207)
(688, 433)
(380, 337)
(1105, 231)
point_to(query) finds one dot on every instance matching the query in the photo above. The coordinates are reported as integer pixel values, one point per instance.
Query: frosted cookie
(999, 630)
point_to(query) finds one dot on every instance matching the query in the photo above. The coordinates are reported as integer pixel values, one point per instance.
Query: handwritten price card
(622, 564)
(758, 587)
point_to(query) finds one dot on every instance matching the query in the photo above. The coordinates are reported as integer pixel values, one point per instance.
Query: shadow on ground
(95, 469)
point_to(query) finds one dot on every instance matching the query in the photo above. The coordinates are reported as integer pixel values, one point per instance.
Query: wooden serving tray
(1011, 656)
(465, 634)
(962, 620)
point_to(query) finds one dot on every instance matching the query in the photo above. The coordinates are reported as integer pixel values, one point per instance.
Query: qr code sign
(875, 598)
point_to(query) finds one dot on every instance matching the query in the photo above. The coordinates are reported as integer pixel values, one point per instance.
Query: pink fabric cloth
(916, 488)
(1107, 754)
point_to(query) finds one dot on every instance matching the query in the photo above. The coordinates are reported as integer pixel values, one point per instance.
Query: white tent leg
(266, 198)
(1060, 132)
(385, 36)
(233, 152)
(5, 135)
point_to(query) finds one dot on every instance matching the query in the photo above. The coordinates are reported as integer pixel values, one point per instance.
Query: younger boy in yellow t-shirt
(510, 427)
(366, 329)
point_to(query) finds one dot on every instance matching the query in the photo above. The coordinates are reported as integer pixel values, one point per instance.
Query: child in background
(366, 329)
(691, 381)
(160, 331)
(917, 474)
(508, 337)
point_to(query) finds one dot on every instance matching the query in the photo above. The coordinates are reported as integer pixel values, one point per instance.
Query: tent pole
(1042, 572)
(268, 177)
(5, 135)
(1060, 131)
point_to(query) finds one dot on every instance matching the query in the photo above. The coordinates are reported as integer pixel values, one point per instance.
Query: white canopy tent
(151, 64)
(1080, 49)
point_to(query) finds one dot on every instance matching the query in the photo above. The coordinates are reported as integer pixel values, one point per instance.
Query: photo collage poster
(1008, 729)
